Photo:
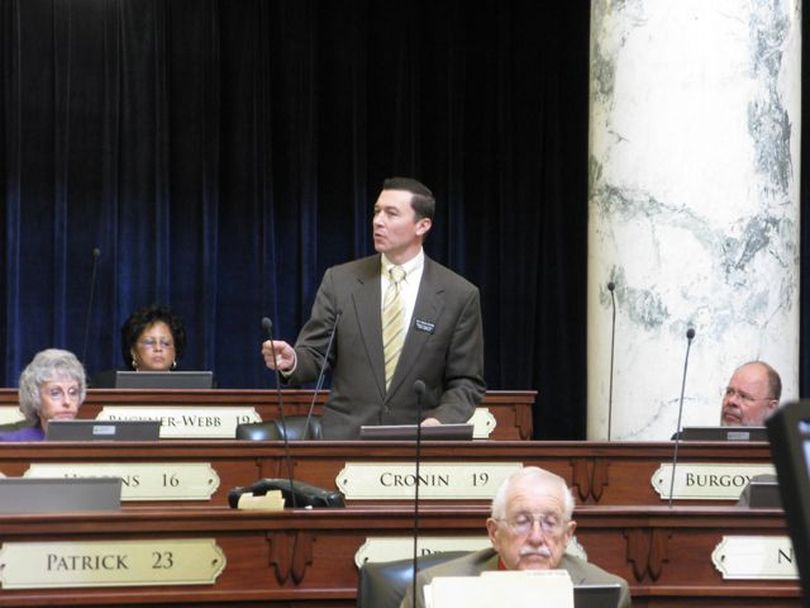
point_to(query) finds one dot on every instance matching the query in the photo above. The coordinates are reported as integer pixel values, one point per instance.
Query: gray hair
(52, 364)
(534, 474)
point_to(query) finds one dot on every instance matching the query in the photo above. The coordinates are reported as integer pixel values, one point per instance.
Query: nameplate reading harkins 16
(118, 563)
(437, 480)
(142, 480)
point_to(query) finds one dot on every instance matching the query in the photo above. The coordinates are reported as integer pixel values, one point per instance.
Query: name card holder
(186, 422)
(707, 481)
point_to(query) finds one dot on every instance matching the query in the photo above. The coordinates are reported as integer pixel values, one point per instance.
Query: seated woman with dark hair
(153, 339)
(52, 387)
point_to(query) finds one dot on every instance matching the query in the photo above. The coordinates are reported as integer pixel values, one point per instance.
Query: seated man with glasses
(529, 529)
(751, 396)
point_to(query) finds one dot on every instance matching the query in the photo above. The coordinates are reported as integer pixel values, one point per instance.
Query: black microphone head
(690, 333)
(611, 286)
(96, 252)
(419, 388)
(267, 325)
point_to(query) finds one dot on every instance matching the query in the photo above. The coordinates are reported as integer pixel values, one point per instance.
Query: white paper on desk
(513, 588)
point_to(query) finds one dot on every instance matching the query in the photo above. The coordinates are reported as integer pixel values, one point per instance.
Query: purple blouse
(28, 433)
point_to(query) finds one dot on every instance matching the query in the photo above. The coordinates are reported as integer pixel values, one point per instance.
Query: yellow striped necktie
(393, 325)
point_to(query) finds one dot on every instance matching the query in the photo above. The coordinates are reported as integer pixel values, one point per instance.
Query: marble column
(693, 205)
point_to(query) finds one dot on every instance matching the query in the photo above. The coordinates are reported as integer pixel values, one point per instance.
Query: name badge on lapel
(425, 326)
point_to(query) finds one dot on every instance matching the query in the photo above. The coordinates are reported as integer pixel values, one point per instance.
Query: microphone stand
(419, 389)
(612, 288)
(690, 334)
(319, 383)
(96, 254)
(267, 324)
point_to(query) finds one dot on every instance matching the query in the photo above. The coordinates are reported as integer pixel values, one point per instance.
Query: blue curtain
(221, 155)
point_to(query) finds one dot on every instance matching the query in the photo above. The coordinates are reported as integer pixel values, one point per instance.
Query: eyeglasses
(523, 523)
(732, 392)
(153, 342)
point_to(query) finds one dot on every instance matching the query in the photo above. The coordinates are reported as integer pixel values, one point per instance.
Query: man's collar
(414, 263)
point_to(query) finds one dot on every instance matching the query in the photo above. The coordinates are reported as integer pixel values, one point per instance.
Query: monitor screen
(103, 430)
(407, 432)
(129, 379)
(789, 435)
(724, 433)
(597, 596)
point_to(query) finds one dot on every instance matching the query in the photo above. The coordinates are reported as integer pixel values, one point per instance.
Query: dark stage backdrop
(223, 154)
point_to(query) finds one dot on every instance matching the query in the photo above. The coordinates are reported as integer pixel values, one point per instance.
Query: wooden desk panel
(600, 473)
(512, 409)
(305, 558)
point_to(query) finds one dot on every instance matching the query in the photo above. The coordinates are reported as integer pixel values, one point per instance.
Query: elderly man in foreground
(530, 528)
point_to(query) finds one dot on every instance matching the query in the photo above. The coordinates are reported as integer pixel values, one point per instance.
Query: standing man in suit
(399, 317)
(529, 528)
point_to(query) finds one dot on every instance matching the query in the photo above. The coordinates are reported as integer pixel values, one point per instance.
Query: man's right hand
(284, 355)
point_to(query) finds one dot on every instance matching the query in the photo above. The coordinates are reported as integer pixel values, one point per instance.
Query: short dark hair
(423, 202)
(144, 317)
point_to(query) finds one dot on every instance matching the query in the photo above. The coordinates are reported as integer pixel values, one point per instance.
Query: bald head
(752, 394)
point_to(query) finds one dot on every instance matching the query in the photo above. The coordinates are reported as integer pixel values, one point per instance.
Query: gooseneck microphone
(96, 255)
(419, 389)
(267, 325)
(319, 383)
(690, 334)
(612, 289)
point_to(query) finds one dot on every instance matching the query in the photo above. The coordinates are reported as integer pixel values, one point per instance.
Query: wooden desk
(512, 410)
(600, 473)
(305, 558)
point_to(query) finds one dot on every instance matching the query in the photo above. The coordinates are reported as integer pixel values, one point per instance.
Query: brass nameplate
(390, 548)
(10, 414)
(186, 422)
(437, 480)
(707, 481)
(117, 563)
(755, 558)
(483, 423)
(142, 481)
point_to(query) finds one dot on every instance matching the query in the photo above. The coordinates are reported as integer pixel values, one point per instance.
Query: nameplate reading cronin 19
(186, 422)
(707, 481)
(116, 563)
(437, 480)
(142, 481)
(744, 557)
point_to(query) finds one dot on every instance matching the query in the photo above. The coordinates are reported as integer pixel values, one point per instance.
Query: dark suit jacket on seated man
(530, 528)
(438, 336)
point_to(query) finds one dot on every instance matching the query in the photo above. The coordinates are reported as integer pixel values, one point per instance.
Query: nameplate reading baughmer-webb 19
(437, 480)
(114, 563)
(142, 481)
(706, 480)
(186, 422)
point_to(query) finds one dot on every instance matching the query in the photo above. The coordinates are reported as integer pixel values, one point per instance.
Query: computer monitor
(178, 379)
(597, 596)
(724, 433)
(789, 434)
(407, 432)
(57, 495)
(103, 430)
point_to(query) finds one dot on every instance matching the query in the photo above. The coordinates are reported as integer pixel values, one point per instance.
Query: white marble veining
(693, 204)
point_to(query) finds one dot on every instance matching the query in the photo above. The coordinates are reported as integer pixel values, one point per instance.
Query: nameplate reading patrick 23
(437, 480)
(117, 563)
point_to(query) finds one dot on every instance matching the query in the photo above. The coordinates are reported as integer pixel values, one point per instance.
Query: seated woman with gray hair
(52, 387)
